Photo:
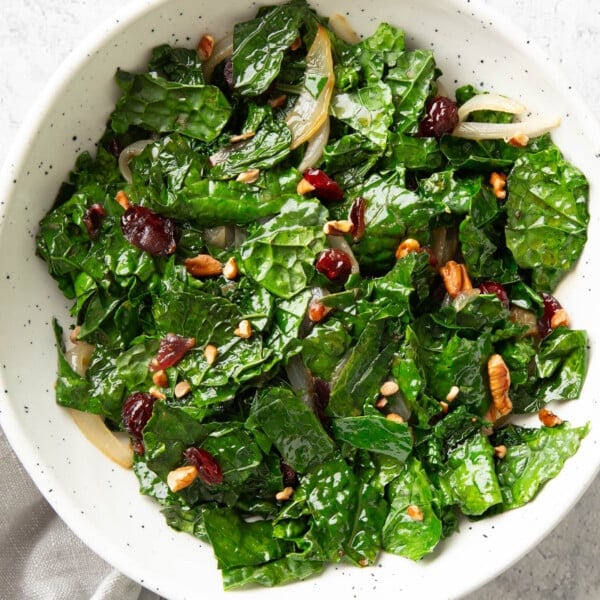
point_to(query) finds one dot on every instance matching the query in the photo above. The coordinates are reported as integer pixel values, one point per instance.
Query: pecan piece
(456, 278)
(203, 265)
(499, 376)
(406, 247)
(548, 418)
(182, 477)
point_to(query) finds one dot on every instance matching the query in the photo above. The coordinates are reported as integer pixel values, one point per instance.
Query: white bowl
(100, 501)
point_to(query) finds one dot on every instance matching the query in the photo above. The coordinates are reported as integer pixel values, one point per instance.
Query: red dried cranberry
(290, 478)
(441, 116)
(551, 306)
(136, 412)
(334, 264)
(357, 217)
(209, 470)
(325, 187)
(92, 219)
(492, 287)
(148, 230)
(172, 349)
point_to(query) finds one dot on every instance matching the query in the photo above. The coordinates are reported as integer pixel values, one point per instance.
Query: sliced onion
(79, 356)
(127, 154)
(222, 50)
(301, 380)
(444, 244)
(490, 102)
(92, 426)
(465, 297)
(339, 242)
(309, 113)
(94, 429)
(532, 127)
(217, 236)
(524, 317)
(315, 147)
(340, 26)
(307, 323)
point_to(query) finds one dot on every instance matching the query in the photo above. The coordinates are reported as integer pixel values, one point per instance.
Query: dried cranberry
(325, 187)
(136, 411)
(92, 219)
(441, 116)
(209, 470)
(492, 287)
(357, 217)
(551, 306)
(172, 349)
(148, 230)
(334, 264)
(290, 478)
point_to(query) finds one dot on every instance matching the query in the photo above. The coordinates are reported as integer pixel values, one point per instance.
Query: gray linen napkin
(40, 558)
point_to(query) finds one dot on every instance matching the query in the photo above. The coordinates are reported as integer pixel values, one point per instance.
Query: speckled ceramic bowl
(99, 500)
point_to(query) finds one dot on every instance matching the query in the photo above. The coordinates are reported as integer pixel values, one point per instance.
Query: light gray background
(35, 35)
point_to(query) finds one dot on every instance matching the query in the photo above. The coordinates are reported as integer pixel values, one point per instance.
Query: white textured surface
(35, 35)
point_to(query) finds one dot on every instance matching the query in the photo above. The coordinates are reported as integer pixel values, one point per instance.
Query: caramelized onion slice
(309, 113)
(97, 433)
(92, 426)
(315, 147)
(532, 127)
(340, 26)
(490, 102)
(127, 154)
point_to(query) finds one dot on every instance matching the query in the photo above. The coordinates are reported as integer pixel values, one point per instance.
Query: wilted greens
(341, 350)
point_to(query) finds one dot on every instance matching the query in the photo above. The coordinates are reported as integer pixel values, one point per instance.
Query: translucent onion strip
(222, 51)
(532, 127)
(92, 426)
(340, 26)
(127, 154)
(309, 113)
(315, 147)
(94, 429)
(490, 102)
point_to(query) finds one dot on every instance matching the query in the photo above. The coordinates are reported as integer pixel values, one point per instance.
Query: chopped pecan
(249, 176)
(406, 247)
(210, 354)
(519, 140)
(389, 388)
(414, 512)
(456, 278)
(230, 270)
(244, 329)
(182, 477)
(285, 494)
(203, 265)
(338, 227)
(548, 418)
(559, 319)
(122, 199)
(499, 377)
(182, 389)
(498, 183)
(205, 47)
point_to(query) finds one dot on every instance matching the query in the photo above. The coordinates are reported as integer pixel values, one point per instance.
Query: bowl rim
(34, 118)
